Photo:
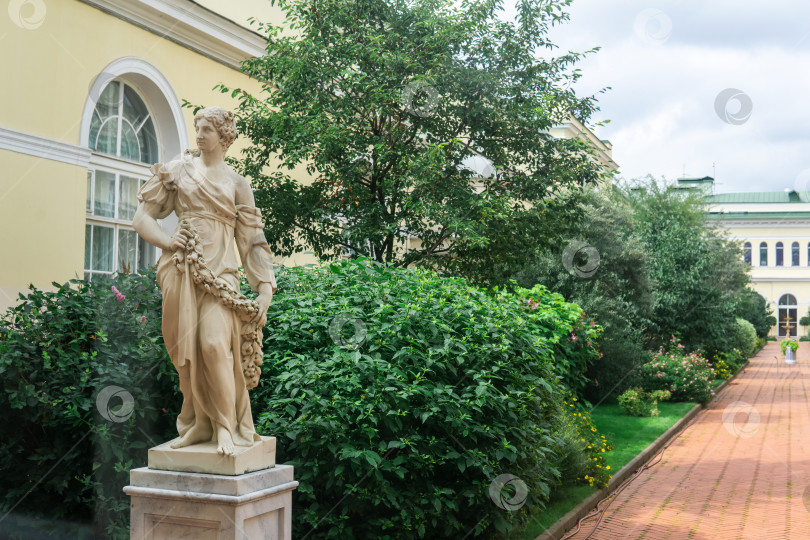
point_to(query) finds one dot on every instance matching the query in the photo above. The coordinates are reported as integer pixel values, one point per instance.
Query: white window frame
(117, 166)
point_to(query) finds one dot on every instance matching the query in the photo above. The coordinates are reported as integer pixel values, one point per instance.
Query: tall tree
(389, 105)
(600, 264)
(698, 274)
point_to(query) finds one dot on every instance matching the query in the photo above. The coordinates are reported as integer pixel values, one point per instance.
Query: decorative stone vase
(790, 356)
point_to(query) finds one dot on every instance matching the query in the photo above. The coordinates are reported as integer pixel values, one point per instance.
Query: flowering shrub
(637, 402)
(580, 449)
(727, 364)
(687, 376)
(722, 369)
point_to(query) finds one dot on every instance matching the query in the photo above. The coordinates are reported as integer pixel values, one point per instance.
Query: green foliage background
(399, 434)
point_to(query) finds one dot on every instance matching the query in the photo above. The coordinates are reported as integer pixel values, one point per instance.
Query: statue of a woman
(211, 331)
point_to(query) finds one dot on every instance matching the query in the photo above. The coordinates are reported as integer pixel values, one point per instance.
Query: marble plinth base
(172, 505)
(203, 458)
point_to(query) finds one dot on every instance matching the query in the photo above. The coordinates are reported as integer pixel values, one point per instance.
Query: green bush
(578, 447)
(399, 397)
(61, 354)
(618, 295)
(637, 402)
(754, 308)
(727, 364)
(792, 343)
(745, 337)
(687, 376)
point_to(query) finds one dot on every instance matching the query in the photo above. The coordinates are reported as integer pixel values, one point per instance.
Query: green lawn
(629, 435)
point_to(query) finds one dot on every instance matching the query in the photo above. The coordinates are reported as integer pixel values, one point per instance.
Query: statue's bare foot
(193, 436)
(224, 442)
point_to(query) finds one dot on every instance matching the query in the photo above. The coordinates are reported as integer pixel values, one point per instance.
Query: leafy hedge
(745, 337)
(400, 396)
(62, 355)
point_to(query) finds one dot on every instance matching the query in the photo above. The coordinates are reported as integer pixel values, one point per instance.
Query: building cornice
(779, 223)
(190, 25)
(43, 147)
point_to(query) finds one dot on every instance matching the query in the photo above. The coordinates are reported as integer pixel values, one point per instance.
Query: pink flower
(143, 318)
(573, 337)
(117, 293)
(596, 382)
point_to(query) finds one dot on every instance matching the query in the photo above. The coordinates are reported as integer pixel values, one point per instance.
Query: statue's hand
(179, 239)
(263, 300)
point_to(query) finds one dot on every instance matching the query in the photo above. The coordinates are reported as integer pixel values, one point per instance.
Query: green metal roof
(760, 197)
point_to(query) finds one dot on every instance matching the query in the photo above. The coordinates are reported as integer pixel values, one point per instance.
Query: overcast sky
(668, 61)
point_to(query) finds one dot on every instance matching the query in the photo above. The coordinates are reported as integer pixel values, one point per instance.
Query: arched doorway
(788, 316)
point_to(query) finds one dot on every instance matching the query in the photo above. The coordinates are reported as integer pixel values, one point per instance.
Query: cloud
(666, 66)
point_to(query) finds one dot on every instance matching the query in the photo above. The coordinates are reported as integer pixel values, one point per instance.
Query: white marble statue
(211, 331)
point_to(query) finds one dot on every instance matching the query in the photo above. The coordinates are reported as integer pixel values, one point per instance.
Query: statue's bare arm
(244, 195)
(145, 224)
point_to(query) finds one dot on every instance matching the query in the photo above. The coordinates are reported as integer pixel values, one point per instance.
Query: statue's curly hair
(223, 121)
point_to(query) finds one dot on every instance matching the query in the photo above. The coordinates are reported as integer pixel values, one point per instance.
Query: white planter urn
(790, 356)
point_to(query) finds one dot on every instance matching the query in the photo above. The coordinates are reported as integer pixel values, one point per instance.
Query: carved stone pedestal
(169, 505)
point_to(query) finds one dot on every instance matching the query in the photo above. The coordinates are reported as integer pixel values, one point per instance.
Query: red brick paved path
(729, 475)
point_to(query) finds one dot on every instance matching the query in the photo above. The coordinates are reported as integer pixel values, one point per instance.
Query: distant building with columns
(774, 230)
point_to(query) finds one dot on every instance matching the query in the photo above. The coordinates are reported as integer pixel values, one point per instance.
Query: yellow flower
(607, 467)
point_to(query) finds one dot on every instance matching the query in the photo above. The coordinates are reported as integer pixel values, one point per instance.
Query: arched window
(763, 254)
(747, 252)
(132, 119)
(794, 254)
(121, 127)
(788, 310)
(780, 254)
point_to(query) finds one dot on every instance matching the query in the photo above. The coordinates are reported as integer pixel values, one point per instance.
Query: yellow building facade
(774, 230)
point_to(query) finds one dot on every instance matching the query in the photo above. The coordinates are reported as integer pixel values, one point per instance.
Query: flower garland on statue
(245, 308)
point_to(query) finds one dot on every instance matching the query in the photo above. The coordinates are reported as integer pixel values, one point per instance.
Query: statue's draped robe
(202, 335)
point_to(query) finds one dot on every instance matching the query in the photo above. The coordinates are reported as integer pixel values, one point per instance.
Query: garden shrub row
(398, 395)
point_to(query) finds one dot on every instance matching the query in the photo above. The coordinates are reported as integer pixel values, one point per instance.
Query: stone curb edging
(570, 520)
